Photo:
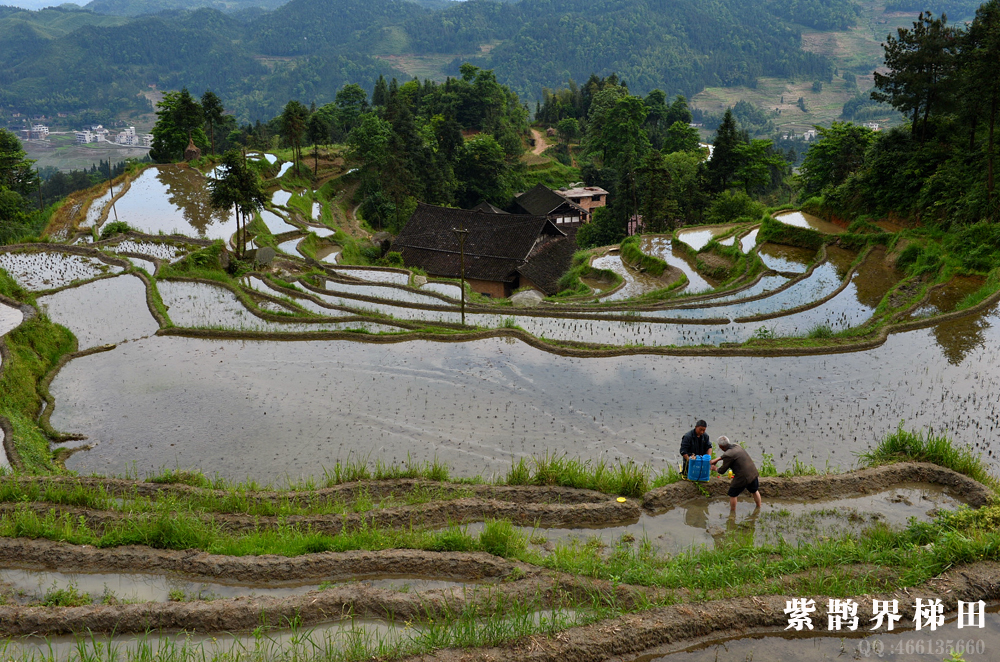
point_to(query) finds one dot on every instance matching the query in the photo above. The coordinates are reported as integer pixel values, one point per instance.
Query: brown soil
(433, 515)
(664, 630)
(864, 481)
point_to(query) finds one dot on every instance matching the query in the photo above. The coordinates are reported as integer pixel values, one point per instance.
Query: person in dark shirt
(695, 442)
(745, 476)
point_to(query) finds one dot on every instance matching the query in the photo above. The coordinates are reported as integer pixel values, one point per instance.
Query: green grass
(631, 253)
(904, 445)
(621, 478)
(35, 347)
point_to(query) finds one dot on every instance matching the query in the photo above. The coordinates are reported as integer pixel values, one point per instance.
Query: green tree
(294, 121)
(569, 129)
(679, 111)
(178, 121)
(760, 167)
(681, 137)
(921, 66)
(213, 109)
(380, 95)
(618, 136)
(483, 173)
(839, 151)
(16, 170)
(725, 153)
(981, 57)
(658, 208)
(351, 101)
(238, 188)
(603, 230)
(318, 130)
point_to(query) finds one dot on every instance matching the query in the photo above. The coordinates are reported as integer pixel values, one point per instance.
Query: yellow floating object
(621, 499)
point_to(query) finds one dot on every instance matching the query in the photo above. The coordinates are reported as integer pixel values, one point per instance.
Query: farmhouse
(503, 252)
(543, 201)
(588, 197)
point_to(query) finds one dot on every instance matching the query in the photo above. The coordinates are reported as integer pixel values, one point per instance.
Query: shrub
(731, 205)
(112, 228)
(500, 538)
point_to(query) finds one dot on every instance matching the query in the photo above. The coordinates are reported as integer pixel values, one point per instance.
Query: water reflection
(174, 198)
(803, 220)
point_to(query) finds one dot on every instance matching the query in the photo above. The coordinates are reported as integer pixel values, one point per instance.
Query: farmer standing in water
(745, 476)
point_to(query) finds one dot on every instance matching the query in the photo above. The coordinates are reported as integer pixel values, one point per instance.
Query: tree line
(941, 166)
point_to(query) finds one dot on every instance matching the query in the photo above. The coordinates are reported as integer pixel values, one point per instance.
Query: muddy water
(897, 646)
(45, 271)
(285, 167)
(174, 199)
(636, 282)
(698, 238)
(705, 521)
(789, 259)
(329, 254)
(106, 311)
(273, 409)
(148, 265)
(659, 246)
(944, 299)
(317, 210)
(802, 220)
(765, 284)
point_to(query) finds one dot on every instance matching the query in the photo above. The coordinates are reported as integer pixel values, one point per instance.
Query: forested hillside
(66, 60)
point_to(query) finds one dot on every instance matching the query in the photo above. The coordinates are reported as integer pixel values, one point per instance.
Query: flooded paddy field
(45, 270)
(707, 522)
(173, 199)
(801, 219)
(110, 310)
(221, 405)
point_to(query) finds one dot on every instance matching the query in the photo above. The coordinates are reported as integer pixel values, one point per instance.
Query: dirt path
(540, 144)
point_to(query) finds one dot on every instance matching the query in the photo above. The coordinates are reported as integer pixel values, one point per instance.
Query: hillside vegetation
(68, 59)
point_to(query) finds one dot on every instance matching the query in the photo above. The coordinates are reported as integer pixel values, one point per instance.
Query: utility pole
(461, 233)
(111, 189)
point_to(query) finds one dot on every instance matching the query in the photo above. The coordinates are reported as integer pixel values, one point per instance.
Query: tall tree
(238, 188)
(839, 151)
(318, 130)
(294, 121)
(921, 66)
(213, 109)
(179, 119)
(725, 154)
(981, 57)
(658, 208)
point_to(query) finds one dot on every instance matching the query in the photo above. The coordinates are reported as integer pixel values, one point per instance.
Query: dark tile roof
(549, 261)
(542, 201)
(497, 244)
(487, 208)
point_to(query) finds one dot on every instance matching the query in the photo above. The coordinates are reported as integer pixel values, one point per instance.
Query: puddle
(636, 282)
(106, 311)
(728, 241)
(321, 232)
(285, 167)
(896, 646)
(376, 275)
(659, 246)
(275, 224)
(748, 241)
(174, 199)
(705, 521)
(699, 238)
(802, 220)
(317, 210)
(789, 259)
(45, 270)
(281, 198)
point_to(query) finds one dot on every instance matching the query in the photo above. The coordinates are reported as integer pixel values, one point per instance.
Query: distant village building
(588, 197)
(543, 201)
(87, 136)
(36, 132)
(503, 252)
(872, 125)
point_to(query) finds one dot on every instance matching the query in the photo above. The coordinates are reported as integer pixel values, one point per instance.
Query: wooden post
(461, 233)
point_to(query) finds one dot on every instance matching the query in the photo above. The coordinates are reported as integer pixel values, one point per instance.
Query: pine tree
(725, 153)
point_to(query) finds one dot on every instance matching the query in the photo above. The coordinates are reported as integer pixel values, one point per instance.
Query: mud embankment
(863, 481)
